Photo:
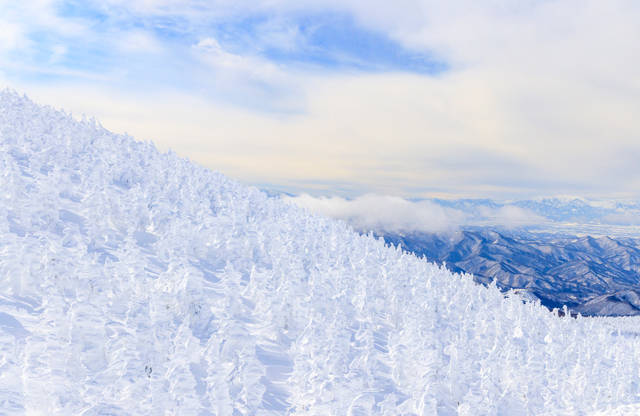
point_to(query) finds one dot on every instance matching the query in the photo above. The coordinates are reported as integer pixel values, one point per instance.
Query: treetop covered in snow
(136, 282)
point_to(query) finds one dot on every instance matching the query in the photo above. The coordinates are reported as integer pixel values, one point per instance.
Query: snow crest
(134, 282)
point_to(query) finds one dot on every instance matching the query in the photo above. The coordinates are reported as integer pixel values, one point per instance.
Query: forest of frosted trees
(136, 282)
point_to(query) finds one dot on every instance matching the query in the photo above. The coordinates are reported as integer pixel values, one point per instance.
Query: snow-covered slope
(135, 282)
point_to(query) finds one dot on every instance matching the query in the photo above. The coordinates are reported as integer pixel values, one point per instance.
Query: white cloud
(136, 41)
(11, 36)
(210, 51)
(384, 214)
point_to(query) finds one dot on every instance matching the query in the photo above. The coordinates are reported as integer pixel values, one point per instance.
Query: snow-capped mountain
(137, 282)
(557, 270)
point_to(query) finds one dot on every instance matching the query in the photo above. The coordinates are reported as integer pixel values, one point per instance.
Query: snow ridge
(134, 282)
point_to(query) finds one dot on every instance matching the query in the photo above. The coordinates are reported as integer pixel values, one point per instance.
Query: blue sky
(419, 98)
(95, 45)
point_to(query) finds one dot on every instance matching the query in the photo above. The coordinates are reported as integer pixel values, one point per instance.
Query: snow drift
(136, 282)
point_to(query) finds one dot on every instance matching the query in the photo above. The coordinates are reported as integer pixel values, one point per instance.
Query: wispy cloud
(416, 97)
(257, 41)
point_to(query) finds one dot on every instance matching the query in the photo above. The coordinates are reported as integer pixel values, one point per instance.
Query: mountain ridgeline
(592, 276)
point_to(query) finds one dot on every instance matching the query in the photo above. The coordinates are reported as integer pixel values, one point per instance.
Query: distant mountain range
(570, 209)
(593, 276)
(555, 216)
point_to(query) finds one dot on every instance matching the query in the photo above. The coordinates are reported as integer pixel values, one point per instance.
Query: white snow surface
(134, 282)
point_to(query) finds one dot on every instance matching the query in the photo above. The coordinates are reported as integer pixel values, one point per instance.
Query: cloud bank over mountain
(383, 214)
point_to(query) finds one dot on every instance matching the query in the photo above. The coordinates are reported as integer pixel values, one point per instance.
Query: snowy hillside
(135, 282)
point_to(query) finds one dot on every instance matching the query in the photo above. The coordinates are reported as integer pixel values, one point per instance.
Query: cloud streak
(388, 214)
